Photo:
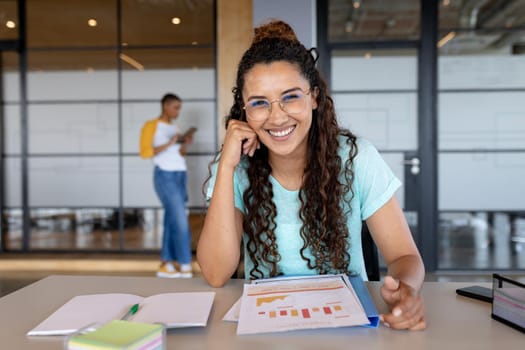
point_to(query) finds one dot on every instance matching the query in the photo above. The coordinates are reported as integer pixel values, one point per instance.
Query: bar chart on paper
(330, 309)
(297, 305)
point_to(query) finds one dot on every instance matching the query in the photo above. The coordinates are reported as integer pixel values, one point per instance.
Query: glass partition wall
(373, 73)
(95, 72)
(481, 134)
(470, 120)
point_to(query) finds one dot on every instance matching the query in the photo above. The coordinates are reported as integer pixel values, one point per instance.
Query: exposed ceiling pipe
(470, 12)
(508, 40)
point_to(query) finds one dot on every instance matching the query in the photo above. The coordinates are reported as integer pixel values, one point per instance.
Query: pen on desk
(133, 310)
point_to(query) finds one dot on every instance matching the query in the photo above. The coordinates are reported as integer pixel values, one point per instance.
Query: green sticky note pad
(120, 335)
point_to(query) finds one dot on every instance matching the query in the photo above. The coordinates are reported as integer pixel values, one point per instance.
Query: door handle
(414, 165)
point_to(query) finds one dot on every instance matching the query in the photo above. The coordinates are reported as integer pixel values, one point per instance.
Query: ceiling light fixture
(132, 62)
(10, 24)
(92, 22)
(446, 3)
(194, 43)
(175, 20)
(357, 4)
(444, 40)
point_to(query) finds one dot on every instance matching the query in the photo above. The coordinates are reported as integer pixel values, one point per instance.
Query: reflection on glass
(481, 27)
(12, 226)
(481, 240)
(181, 58)
(8, 20)
(76, 60)
(72, 75)
(143, 228)
(52, 23)
(481, 14)
(168, 22)
(481, 42)
(90, 229)
(373, 20)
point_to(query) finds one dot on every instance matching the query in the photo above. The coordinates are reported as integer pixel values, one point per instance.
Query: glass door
(10, 150)
(481, 136)
(374, 74)
(375, 95)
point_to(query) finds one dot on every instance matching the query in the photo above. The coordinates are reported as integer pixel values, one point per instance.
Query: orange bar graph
(304, 313)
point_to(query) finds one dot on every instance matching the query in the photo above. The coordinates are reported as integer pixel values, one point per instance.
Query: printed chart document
(277, 305)
(174, 310)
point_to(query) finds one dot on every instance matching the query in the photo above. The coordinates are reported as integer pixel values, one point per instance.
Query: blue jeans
(171, 190)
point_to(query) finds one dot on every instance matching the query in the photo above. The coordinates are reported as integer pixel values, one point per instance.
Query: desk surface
(454, 322)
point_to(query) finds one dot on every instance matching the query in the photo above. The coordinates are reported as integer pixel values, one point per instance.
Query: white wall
(387, 119)
(468, 119)
(56, 126)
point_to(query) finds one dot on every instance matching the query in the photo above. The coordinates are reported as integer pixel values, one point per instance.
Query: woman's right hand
(239, 139)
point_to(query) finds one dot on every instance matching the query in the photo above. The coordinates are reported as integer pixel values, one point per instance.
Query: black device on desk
(476, 292)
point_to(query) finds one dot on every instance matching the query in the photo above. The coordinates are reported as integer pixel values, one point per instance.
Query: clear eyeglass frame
(294, 106)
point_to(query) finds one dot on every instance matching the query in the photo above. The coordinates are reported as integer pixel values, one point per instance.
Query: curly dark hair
(324, 228)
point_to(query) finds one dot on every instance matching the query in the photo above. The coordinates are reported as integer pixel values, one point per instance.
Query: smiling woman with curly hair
(294, 187)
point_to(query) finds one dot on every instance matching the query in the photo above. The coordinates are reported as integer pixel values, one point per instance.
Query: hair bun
(276, 29)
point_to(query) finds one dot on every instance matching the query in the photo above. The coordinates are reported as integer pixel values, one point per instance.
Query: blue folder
(359, 287)
(366, 300)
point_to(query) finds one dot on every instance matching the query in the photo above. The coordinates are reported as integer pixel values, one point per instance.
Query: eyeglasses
(293, 102)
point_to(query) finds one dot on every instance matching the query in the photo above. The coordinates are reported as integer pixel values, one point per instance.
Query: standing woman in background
(294, 187)
(161, 140)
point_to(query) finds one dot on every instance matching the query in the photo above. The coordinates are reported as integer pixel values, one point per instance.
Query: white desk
(454, 322)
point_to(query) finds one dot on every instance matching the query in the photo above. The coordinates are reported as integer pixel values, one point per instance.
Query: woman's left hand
(405, 304)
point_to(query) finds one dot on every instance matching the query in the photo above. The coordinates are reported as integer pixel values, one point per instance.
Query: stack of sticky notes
(123, 335)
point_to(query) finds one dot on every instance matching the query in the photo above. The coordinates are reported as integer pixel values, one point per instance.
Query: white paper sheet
(288, 304)
(176, 309)
(84, 310)
(233, 313)
(173, 309)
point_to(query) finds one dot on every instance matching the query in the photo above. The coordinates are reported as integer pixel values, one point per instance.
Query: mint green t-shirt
(374, 184)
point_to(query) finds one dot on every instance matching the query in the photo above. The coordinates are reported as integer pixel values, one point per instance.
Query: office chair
(370, 254)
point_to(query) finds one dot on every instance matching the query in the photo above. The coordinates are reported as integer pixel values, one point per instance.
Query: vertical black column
(427, 135)
(119, 111)
(322, 40)
(24, 139)
(3, 228)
